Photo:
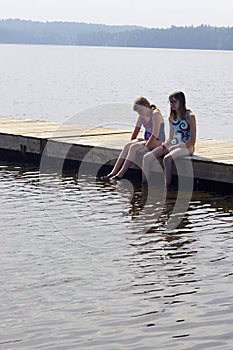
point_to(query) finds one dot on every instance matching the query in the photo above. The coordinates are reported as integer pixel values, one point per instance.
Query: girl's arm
(136, 129)
(193, 132)
(168, 142)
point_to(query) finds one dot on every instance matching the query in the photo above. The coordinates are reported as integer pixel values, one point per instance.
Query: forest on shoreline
(16, 31)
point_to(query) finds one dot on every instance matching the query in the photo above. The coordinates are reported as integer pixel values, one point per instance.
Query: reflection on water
(79, 271)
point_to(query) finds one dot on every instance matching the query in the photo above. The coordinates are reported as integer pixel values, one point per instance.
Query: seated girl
(181, 140)
(150, 118)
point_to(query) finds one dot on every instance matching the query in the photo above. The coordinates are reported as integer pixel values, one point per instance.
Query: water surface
(58, 82)
(78, 272)
(87, 265)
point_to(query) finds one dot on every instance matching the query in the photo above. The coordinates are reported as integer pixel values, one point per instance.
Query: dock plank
(53, 130)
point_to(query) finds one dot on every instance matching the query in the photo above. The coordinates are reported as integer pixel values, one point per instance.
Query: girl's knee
(147, 158)
(167, 159)
(172, 148)
(127, 146)
(135, 147)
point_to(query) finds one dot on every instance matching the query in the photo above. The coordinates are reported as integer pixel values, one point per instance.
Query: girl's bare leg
(121, 158)
(133, 149)
(148, 160)
(168, 159)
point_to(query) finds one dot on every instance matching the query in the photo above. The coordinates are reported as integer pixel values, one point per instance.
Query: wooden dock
(26, 140)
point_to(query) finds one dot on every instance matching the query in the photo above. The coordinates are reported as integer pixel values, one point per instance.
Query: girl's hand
(166, 144)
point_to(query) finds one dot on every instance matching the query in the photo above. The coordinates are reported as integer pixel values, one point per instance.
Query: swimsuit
(181, 131)
(148, 125)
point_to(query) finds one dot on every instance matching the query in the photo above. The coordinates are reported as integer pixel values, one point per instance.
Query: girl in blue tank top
(182, 137)
(150, 118)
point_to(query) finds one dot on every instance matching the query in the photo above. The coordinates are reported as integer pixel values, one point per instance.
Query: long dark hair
(142, 101)
(178, 95)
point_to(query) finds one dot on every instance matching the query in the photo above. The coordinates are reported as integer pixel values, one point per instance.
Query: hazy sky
(149, 13)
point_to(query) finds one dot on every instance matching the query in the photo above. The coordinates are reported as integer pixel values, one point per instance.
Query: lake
(58, 82)
(78, 268)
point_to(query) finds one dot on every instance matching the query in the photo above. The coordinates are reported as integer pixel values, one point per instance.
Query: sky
(148, 13)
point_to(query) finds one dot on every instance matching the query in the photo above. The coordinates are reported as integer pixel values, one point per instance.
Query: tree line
(16, 31)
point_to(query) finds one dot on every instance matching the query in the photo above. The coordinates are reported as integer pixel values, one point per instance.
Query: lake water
(78, 272)
(56, 83)
(78, 268)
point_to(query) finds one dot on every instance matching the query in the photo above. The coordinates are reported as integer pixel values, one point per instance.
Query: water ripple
(78, 271)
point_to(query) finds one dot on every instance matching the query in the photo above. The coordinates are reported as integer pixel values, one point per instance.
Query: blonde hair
(142, 101)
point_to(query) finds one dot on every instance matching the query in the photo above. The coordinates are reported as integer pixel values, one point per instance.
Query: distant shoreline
(203, 37)
(116, 47)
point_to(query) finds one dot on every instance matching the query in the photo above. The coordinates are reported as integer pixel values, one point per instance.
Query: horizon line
(115, 25)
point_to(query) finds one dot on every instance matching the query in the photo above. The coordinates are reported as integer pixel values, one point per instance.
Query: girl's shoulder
(189, 114)
(157, 114)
